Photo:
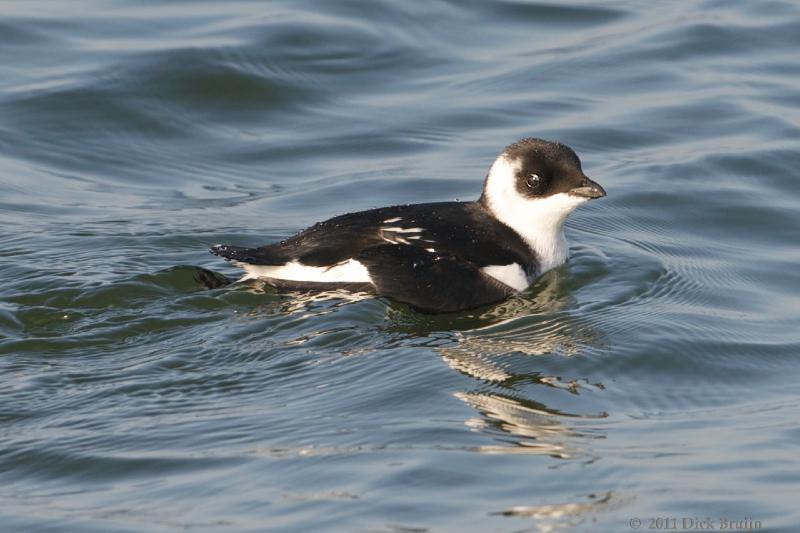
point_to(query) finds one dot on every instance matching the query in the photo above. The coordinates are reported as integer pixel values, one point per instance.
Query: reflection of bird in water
(487, 357)
(498, 351)
(568, 516)
(534, 325)
(491, 346)
(313, 303)
(535, 428)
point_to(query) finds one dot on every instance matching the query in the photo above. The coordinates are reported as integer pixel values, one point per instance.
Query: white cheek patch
(539, 221)
(350, 271)
(512, 275)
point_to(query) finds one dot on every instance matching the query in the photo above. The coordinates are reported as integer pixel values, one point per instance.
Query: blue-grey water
(655, 376)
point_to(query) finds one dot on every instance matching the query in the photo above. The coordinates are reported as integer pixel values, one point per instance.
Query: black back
(434, 269)
(463, 230)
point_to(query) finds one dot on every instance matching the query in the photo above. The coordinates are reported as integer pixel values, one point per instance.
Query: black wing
(323, 244)
(463, 230)
(431, 282)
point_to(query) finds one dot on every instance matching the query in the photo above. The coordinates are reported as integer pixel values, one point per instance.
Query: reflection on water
(566, 516)
(537, 306)
(136, 134)
(529, 426)
(531, 324)
(486, 345)
(307, 303)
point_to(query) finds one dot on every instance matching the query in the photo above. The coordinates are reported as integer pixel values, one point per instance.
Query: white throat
(539, 221)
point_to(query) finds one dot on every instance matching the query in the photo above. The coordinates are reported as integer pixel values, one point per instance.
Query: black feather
(430, 281)
(254, 256)
(435, 268)
(464, 229)
(431, 256)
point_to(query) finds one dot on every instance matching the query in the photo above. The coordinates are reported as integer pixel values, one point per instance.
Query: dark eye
(533, 181)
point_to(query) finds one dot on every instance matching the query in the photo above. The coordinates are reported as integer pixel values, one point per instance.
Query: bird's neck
(541, 227)
(539, 221)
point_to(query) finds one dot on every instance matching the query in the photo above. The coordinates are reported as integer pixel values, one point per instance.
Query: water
(654, 376)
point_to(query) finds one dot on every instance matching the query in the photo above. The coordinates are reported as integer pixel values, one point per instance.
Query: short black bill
(588, 189)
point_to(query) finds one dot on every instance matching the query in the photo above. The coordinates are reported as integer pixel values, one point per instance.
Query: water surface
(654, 375)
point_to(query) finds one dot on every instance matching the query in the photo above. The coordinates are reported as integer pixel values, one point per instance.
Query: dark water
(655, 375)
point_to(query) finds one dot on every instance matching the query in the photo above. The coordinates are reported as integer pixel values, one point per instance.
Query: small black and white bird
(446, 256)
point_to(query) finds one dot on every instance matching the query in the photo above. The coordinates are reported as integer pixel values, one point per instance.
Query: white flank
(350, 271)
(540, 221)
(512, 275)
(390, 220)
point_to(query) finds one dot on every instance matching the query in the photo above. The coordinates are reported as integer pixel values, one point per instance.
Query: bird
(440, 257)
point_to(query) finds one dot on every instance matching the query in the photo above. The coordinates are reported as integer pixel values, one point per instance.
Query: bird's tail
(234, 253)
(253, 256)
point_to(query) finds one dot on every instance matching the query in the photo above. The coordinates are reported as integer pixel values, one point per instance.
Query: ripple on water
(650, 376)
